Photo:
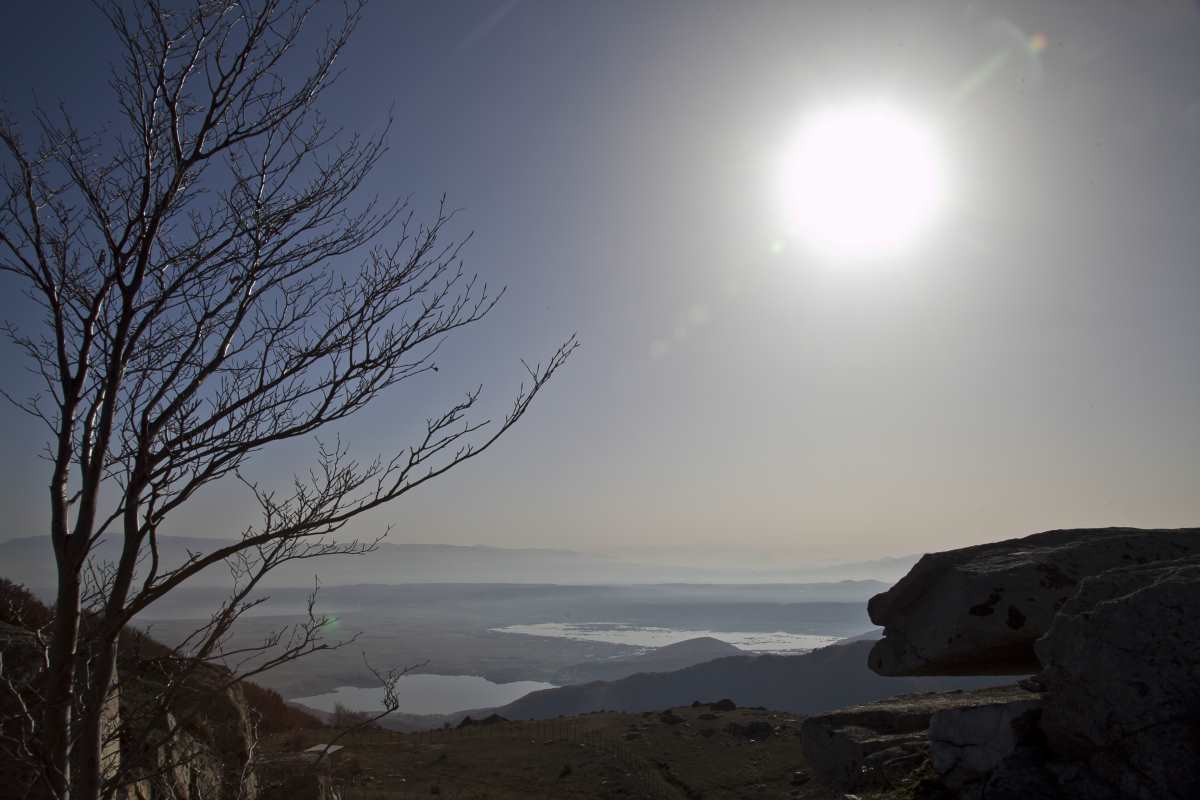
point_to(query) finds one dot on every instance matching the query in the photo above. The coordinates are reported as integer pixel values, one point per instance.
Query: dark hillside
(21, 609)
(818, 681)
(661, 659)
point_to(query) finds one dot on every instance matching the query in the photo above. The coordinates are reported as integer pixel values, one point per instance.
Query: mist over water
(644, 636)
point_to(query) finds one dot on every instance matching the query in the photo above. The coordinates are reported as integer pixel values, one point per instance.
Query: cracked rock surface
(1123, 671)
(966, 744)
(1107, 624)
(859, 746)
(979, 610)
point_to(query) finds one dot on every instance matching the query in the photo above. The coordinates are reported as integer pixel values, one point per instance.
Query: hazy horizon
(739, 399)
(435, 563)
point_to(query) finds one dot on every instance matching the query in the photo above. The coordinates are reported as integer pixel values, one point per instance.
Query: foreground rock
(979, 610)
(967, 743)
(868, 746)
(1109, 620)
(1122, 669)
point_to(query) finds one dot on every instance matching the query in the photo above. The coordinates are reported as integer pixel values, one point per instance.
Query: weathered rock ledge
(1122, 665)
(1108, 623)
(979, 610)
(867, 746)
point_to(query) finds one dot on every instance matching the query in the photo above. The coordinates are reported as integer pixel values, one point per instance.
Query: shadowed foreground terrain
(687, 752)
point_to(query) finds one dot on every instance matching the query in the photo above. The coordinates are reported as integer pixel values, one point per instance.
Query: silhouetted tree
(190, 269)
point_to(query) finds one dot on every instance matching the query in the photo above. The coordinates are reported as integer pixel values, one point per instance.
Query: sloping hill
(818, 681)
(167, 705)
(873, 635)
(662, 659)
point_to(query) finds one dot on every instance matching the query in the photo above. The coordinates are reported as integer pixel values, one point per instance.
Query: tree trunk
(89, 745)
(60, 683)
(89, 781)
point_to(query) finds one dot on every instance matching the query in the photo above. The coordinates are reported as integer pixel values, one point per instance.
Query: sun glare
(862, 181)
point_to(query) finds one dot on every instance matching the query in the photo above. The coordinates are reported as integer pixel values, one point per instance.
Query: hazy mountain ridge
(821, 680)
(825, 678)
(28, 560)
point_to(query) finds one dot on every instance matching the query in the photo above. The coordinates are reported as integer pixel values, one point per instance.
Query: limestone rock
(860, 746)
(1123, 681)
(201, 747)
(979, 610)
(967, 743)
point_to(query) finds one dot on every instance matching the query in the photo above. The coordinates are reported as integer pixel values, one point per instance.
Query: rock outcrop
(979, 610)
(967, 743)
(866, 746)
(199, 746)
(1122, 666)
(1109, 622)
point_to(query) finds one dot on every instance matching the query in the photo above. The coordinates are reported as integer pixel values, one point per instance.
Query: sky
(740, 398)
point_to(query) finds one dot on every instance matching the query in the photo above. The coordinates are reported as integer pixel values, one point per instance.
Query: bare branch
(211, 283)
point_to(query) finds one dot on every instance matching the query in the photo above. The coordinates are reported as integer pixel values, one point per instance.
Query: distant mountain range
(827, 678)
(28, 560)
(821, 680)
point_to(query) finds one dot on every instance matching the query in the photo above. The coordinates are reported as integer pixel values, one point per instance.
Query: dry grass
(604, 755)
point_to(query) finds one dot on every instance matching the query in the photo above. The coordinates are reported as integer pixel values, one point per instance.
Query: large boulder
(967, 743)
(1123, 680)
(979, 610)
(868, 746)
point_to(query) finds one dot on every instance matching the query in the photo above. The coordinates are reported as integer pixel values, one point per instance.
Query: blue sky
(1031, 364)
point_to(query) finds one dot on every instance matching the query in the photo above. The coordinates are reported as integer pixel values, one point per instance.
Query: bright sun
(862, 181)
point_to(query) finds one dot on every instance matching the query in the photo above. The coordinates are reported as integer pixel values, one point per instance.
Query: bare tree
(192, 270)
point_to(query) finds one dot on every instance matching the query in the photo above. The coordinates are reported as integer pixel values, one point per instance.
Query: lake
(649, 637)
(428, 694)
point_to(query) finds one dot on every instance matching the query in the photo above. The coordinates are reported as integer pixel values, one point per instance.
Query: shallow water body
(428, 694)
